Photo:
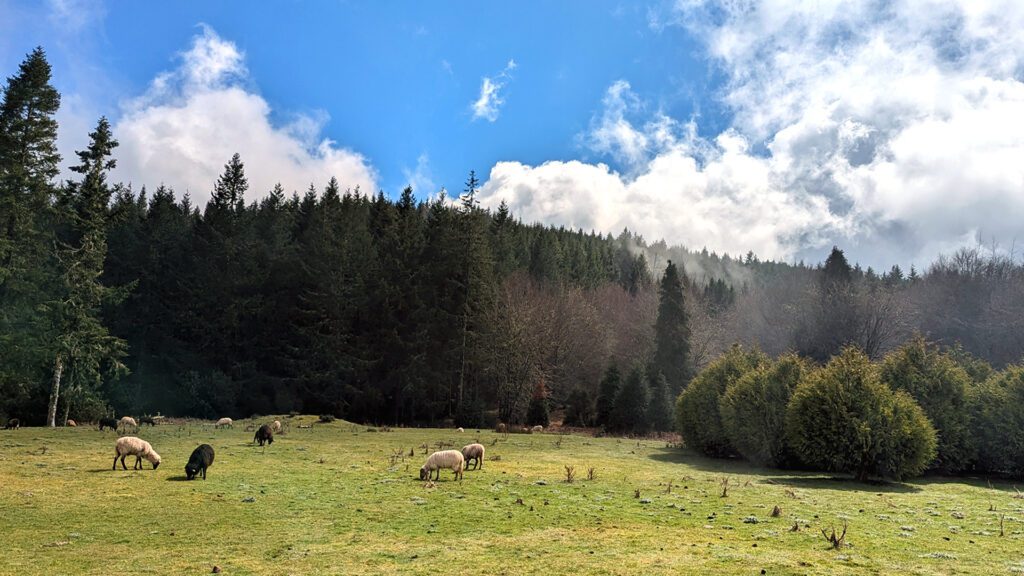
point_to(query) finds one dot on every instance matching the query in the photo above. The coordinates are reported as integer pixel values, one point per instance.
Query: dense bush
(939, 385)
(753, 410)
(697, 415)
(842, 418)
(996, 410)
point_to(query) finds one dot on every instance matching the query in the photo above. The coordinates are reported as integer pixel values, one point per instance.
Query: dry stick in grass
(725, 487)
(836, 542)
(590, 473)
(570, 474)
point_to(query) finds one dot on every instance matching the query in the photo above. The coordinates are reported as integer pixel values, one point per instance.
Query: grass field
(335, 499)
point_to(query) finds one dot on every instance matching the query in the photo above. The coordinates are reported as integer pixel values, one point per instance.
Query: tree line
(402, 310)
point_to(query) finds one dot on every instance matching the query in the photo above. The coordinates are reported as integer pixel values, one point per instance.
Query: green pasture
(344, 499)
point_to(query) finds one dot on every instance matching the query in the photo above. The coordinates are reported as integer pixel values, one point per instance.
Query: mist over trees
(407, 310)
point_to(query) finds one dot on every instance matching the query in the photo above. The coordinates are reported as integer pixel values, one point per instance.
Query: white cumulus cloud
(191, 120)
(488, 104)
(893, 129)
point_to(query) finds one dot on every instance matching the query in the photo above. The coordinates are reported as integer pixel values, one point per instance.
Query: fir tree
(81, 341)
(672, 332)
(609, 390)
(630, 412)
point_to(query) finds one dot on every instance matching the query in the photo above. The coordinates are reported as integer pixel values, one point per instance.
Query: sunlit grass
(337, 499)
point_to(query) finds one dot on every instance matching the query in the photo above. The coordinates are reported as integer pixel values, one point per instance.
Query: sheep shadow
(181, 478)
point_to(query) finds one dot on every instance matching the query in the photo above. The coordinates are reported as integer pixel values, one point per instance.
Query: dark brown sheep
(201, 459)
(264, 434)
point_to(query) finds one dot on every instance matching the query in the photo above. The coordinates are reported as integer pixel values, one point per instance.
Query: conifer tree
(81, 341)
(672, 332)
(28, 165)
(606, 395)
(630, 411)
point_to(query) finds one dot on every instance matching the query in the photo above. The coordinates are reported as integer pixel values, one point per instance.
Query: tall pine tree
(672, 332)
(81, 341)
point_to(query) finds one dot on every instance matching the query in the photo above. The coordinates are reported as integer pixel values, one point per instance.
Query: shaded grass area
(339, 499)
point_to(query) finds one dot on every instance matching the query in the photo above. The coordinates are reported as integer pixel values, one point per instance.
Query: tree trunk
(58, 370)
(67, 409)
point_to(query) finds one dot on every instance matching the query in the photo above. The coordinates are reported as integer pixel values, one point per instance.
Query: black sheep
(13, 424)
(108, 423)
(147, 420)
(199, 461)
(264, 434)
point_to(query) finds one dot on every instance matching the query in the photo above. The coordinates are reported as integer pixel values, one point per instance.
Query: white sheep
(450, 459)
(474, 452)
(276, 426)
(459, 430)
(127, 422)
(537, 428)
(132, 446)
(224, 423)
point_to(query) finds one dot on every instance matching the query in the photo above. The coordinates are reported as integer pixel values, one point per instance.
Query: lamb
(459, 430)
(451, 459)
(147, 420)
(502, 428)
(132, 446)
(199, 461)
(224, 423)
(71, 423)
(13, 424)
(276, 426)
(264, 434)
(537, 428)
(108, 423)
(126, 422)
(474, 452)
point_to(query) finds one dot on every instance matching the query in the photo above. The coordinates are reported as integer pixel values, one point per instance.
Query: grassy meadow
(344, 499)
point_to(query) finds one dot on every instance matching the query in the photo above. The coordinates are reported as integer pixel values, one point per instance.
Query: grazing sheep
(147, 420)
(71, 423)
(450, 459)
(276, 426)
(502, 428)
(224, 423)
(13, 424)
(264, 434)
(199, 461)
(474, 452)
(537, 428)
(126, 422)
(132, 446)
(459, 430)
(108, 423)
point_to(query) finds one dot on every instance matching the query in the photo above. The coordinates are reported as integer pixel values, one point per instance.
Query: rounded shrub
(842, 418)
(996, 409)
(697, 414)
(939, 385)
(753, 410)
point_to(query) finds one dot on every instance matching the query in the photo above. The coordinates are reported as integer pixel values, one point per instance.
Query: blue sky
(894, 130)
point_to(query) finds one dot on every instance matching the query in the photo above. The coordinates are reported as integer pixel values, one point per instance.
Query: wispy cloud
(194, 117)
(488, 105)
(421, 178)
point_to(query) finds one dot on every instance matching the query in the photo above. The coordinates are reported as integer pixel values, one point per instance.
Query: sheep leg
(204, 472)
(123, 456)
(138, 463)
(114, 467)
